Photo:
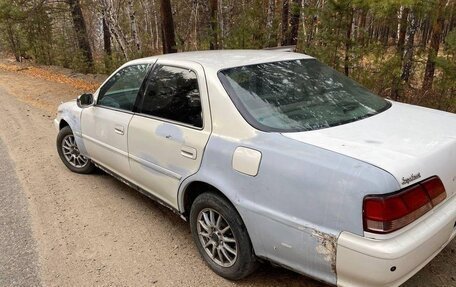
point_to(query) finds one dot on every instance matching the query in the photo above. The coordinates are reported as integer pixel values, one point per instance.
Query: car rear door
(169, 132)
(104, 126)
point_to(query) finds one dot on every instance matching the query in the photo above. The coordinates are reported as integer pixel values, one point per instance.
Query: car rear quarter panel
(300, 200)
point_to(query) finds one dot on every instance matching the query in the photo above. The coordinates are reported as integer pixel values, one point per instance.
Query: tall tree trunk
(303, 20)
(391, 32)
(114, 28)
(425, 28)
(409, 50)
(451, 23)
(312, 29)
(168, 36)
(270, 22)
(285, 11)
(370, 31)
(81, 32)
(437, 29)
(12, 41)
(133, 26)
(106, 38)
(294, 22)
(385, 36)
(107, 45)
(402, 29)
(147, 24)
(348, 41)
(362, 27)
(196, 26)
(157, 27)
(221, 24)
(335, 46)
(213, 6)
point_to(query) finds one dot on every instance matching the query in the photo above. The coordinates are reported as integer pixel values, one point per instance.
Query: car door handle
(188, 152)
(119, 130)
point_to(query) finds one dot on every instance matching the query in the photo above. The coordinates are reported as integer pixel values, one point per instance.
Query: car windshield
(298, 95)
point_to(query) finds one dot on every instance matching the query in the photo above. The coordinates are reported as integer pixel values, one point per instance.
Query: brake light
(435, 190)
(390, 212)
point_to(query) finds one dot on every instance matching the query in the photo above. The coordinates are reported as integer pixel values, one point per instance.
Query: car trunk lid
(412, 143)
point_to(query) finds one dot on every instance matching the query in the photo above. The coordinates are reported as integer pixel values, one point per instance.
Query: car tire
(243, 261)
(69, 153)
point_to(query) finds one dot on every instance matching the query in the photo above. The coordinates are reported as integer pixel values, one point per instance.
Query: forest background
(404, 50)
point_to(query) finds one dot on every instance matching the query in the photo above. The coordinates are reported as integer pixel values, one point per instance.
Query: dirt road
(18, 260)
(93, 230)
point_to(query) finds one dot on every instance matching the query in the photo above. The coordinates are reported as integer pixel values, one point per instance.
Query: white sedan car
(273, 156)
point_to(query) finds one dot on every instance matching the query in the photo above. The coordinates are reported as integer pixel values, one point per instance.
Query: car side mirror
(85, 100)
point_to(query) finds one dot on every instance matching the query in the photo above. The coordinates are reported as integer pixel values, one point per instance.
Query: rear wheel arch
(193, 190)
(196, 188)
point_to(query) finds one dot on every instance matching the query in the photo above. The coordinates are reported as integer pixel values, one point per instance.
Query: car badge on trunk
(412, 177)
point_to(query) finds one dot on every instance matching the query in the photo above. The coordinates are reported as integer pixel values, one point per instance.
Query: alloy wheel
(217, 238)
(71, 152)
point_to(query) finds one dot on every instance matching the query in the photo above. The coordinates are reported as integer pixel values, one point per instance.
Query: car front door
(168, 134)
(104, 126)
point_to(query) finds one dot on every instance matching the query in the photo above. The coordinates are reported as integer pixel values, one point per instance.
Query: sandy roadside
(93, 230)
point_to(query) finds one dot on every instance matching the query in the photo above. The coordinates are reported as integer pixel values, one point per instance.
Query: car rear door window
(121, 90)
(173, 94)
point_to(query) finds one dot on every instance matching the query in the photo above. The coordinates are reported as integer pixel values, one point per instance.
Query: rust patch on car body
(326, 247)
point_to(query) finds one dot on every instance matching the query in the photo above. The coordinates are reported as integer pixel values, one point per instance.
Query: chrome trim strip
(156, 167)
(170, 121)
(113, 109)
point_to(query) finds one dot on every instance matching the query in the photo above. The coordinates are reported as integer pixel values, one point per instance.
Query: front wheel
(221, 237)
(69, 153)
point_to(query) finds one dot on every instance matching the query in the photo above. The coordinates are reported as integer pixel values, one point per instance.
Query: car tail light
(389, 212)
(435, 190)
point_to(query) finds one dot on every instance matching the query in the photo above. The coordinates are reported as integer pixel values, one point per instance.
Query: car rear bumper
(390, 262)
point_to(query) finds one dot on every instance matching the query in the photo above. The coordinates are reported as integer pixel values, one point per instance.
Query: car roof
(223, 59)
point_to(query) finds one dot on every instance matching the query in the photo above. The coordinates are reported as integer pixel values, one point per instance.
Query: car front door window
(120, 90)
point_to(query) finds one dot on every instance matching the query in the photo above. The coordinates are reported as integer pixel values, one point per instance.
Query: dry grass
(52, 76)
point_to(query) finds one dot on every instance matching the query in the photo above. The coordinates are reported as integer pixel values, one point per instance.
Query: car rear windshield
(298, 95)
